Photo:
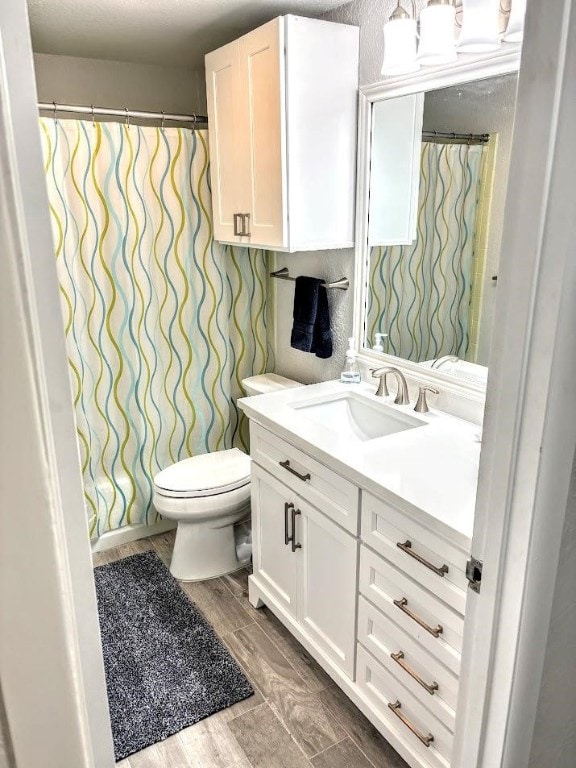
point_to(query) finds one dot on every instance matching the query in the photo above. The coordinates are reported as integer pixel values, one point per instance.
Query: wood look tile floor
(297, 718)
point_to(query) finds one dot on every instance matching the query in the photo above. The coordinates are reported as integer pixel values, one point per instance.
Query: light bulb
(480, 31)
(437, 43)
(399, 44)
(515, 29)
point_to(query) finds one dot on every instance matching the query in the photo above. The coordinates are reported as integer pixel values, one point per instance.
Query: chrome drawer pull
(430, 687)
(295, 512)
(426, 740)
(286, 465)
(406, 546)
(287, 538)
(436, 631)
(245, 217)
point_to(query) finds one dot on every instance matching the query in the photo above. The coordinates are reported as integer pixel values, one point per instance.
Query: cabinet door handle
(402, 604)
(245, 224)
(406, 546)
(396, 707)
(295, 512)
(398, 658)
(236, 218)
(287, 507)
(286, 465)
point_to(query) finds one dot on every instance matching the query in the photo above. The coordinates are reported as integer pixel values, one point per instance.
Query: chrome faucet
(439, 362)
(382, 391)
(421, 404)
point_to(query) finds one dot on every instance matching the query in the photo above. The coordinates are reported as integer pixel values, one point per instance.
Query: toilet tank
(267, 382)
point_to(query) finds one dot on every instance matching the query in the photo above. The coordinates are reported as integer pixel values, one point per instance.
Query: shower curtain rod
(480, 138)
(125, 113)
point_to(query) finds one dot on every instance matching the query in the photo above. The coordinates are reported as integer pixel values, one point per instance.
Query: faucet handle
(382, 390)
(421, 404)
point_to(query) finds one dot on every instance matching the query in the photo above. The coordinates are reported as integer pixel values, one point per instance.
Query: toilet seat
(209, 474)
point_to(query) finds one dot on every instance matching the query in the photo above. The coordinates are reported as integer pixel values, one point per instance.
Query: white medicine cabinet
(282, 110)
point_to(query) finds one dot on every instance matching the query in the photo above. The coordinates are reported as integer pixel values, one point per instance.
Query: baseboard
(112, 539)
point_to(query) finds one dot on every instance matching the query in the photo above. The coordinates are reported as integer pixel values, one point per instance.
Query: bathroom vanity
(362, 516)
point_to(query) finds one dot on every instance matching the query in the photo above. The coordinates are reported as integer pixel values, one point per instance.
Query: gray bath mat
(165, 666)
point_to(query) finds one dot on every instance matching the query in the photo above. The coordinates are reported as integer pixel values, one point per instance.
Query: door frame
(529, 436)
(51, 666)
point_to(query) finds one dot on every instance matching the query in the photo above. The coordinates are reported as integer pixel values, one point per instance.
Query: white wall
(369, 15)
(119, 84)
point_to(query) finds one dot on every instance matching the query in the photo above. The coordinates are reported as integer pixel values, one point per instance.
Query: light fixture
(400, 43)
(480, 31)
(437, 43)
(515, 29)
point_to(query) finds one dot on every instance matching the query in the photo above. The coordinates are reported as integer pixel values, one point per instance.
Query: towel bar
(282, 274)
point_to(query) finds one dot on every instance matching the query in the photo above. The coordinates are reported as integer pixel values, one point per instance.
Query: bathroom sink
(355, 417)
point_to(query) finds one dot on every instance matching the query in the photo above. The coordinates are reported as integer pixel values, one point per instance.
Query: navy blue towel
(311, 328)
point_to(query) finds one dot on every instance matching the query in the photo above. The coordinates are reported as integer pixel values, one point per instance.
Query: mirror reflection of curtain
(161, 322)
(420, 293)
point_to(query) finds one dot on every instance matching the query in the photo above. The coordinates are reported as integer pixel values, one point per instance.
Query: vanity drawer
(382, 690)
(418, 612)
(419, 671)
(332, 494)
(435, 563)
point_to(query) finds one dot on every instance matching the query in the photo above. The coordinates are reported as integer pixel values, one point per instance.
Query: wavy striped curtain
(420, 293)
(161, 322)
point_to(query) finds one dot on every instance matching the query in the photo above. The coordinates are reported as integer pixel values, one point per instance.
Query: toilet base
(202, 552)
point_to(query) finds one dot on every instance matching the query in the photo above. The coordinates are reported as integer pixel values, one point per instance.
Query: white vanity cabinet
(307, 565)
(374, 589)
(282, 104)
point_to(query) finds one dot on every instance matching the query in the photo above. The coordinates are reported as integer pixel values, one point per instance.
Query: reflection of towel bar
(282, 274)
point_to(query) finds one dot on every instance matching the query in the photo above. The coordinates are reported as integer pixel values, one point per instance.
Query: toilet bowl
(209, 496)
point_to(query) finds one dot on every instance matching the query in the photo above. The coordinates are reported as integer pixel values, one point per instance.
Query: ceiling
(167, 32)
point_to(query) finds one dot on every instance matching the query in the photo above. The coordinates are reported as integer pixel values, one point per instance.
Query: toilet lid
(205, 475)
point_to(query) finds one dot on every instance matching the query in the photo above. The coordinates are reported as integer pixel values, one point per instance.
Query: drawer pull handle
(398, 658)
(426, 740)
(403, 603)
(286, 465)
(406, 546)
(295, 512)
(287, 507)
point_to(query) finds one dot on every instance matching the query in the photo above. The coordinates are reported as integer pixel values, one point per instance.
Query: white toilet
(208, 495)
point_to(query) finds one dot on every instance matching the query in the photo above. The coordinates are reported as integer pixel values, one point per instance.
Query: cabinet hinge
(474, 574)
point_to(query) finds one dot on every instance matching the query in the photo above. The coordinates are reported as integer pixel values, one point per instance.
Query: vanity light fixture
(437, 42)
(480, 32)
(515, 29)
(400, 43)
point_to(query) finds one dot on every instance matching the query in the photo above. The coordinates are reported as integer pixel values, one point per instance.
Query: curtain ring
(162, 122)
(55, 108)
(92, 108)
(127, 119)
(194, 123)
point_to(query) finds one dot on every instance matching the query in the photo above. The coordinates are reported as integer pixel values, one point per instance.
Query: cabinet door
(275, 564)
(395, 170)
(228, 140)
(262, 59)
(328, 589)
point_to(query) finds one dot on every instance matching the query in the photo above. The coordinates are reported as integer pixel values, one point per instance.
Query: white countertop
(433, 467)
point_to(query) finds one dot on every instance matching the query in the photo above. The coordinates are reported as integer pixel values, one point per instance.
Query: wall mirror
(434, 165)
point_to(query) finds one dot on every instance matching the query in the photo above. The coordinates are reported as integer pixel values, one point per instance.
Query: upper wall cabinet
(282, 104)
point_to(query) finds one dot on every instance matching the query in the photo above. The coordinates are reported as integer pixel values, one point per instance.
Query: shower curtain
(161, 322)
(420, 293)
